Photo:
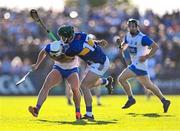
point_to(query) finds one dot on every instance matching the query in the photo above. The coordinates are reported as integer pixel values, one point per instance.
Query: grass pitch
(57, 115)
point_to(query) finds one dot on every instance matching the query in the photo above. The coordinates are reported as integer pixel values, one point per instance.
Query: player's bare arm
(102, 42)
(122, 45)
(154, 47)
(41, 56)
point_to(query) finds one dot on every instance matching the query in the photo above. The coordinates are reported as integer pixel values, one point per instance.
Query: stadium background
(21, 39)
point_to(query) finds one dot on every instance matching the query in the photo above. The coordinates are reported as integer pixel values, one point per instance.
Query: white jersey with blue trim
(68, 65)
(138, 46)
(64, 65)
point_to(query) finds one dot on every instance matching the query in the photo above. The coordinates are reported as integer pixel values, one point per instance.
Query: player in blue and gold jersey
(80, 44)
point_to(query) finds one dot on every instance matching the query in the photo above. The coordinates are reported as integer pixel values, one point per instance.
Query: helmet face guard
(55, 54)
(64, 39)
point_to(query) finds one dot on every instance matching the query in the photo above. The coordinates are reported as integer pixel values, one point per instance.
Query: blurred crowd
(21, 38)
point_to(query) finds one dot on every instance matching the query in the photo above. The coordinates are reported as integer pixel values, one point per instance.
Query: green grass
(57, 115)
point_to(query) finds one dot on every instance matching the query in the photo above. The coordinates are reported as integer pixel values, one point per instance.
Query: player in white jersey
(141, 48)
(64, 68)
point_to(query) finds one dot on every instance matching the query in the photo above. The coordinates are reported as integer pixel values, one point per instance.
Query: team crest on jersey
(78, 37)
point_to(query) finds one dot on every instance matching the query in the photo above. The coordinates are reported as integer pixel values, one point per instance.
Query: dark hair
(136, 22)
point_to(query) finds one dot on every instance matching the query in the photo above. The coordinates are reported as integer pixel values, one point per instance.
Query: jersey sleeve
(47, 48)
(69, 52)
(146, 41)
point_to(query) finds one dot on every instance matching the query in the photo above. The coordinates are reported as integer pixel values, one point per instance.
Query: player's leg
(51, 80)
(86, 84)
(148, 93)
(99, 70)
(147, 83)
(97, 92)
(68, 93)
(107, 82)
(91, 80)
(122, 79)
(73, 80)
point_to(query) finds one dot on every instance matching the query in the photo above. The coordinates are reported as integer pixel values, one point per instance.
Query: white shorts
(98, 68)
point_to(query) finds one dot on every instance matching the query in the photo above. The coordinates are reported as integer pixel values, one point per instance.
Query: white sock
(89, 113)
(107, 82)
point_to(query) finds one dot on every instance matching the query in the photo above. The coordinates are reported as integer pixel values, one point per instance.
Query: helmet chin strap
(65, 39)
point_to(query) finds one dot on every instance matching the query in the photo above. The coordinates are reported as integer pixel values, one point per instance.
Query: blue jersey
(86, 49)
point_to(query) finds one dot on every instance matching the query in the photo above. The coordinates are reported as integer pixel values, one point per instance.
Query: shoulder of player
(146, 40)
(142, 34)
(127, 34)
(60, 42)
(79, 35)
(47, 46)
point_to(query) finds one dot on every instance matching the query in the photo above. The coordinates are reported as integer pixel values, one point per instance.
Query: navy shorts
(66, 72)
(138, 72)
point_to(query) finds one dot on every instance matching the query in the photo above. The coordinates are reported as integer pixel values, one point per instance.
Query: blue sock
(163, 100)
(77, 109)
(130, 98)
(104, 81)
(88, 108)
(38, 107)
